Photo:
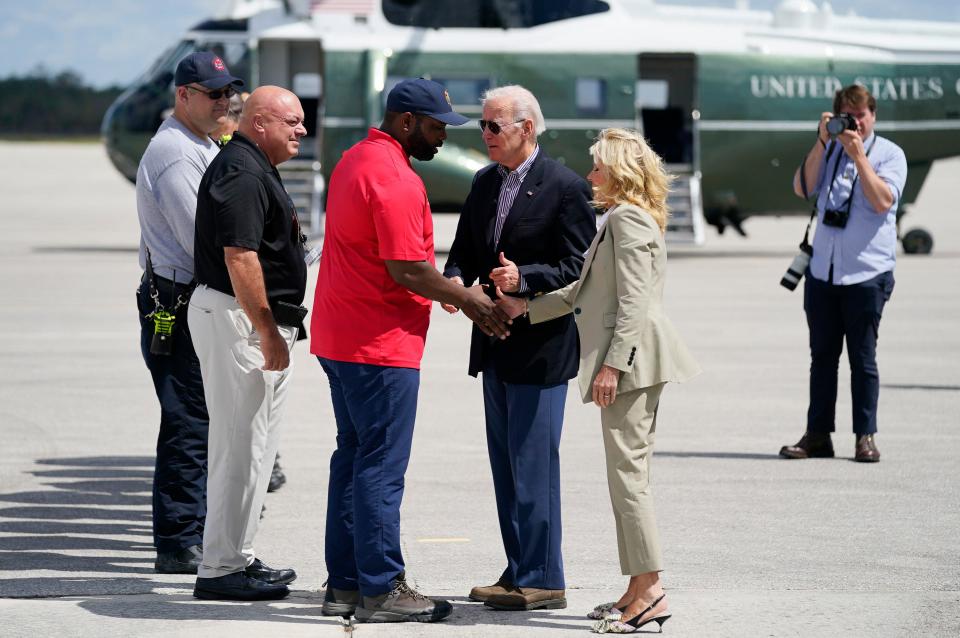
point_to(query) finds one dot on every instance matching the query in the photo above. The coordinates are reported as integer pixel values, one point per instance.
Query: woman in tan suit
(629, 350)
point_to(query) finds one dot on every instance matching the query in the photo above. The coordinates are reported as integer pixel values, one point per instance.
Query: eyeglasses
(494, 127)
(227, 92)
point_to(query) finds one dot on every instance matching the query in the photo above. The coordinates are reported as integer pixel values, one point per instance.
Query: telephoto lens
(797, 267)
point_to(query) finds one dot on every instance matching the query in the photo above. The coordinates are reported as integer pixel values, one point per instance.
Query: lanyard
(836, 168)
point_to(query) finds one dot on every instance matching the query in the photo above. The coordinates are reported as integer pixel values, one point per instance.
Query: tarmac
(754, 545)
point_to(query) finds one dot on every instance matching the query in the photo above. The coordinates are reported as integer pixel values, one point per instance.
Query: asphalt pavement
(754, 545)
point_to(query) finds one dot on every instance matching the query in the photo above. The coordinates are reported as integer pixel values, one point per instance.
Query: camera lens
(836, 126)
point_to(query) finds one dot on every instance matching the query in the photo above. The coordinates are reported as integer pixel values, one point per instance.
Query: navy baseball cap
(206, 69)
(425, 97)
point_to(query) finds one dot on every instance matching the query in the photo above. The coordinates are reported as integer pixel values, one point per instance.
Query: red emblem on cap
(218, 64)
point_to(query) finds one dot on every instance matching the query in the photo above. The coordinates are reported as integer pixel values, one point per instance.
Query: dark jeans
(835, 313)
(375, 407)
(180, 475)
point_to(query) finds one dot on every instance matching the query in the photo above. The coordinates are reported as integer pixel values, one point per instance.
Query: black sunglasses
(494, 127)
(227, 91)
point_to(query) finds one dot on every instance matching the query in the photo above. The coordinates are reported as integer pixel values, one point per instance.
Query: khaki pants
(245, 405)
(629, 426)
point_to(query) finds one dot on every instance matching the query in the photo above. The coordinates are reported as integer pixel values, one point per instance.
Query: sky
(112, 41)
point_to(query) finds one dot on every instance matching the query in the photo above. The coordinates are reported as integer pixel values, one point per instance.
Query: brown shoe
(867, 451)
(810, 446)
(481, 594)
(527, 598)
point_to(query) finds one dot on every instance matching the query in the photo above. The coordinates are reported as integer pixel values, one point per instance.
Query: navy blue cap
(206, 69)
(425, 97)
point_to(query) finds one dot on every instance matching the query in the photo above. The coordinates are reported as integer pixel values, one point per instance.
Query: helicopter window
(487, 14)
(591, 96)
(465, 92)
(235, 54)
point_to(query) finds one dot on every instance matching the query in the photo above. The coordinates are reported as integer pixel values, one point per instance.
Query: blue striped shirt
(508, 194)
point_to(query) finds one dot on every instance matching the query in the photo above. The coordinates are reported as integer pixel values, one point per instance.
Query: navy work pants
(524, 423)
(835, 313)
(375, 407)
(180, 474)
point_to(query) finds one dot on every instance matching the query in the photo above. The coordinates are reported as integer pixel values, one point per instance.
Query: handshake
(492, 317)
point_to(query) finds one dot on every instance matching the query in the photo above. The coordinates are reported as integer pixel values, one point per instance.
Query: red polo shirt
(377, 209)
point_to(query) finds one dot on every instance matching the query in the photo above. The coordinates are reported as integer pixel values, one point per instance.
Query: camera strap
(805, 244)
(847, 204)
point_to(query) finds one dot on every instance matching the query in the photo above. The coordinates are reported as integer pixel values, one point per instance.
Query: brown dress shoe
(482, 593)
(867, 451)
(810, 446)
(527, 598)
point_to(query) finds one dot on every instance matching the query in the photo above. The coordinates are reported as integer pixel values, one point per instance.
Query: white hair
(523, 104)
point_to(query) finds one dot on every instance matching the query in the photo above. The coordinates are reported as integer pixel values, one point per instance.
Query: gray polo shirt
(167, 182)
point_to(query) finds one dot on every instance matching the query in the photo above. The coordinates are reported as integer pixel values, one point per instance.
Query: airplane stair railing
(304, 182)
(686, 207)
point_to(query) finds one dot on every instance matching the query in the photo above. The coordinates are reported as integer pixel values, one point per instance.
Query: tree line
(40, 104)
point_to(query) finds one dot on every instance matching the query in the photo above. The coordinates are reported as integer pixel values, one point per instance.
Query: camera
(839, 123)
(797, 267)
(835, 218)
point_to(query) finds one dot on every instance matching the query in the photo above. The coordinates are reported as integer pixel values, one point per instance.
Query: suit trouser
(180, 471)
(629, 427)
(833, 313)
(524, 423)
(245, 405)
(375, 407)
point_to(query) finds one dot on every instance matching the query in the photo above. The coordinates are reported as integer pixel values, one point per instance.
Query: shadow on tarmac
(103, 515)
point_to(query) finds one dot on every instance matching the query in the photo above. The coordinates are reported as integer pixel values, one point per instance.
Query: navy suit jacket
(546, 233)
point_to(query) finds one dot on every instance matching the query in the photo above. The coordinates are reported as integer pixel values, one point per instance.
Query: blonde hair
(634, 173)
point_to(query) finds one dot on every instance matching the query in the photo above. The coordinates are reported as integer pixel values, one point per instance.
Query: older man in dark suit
(524, 228)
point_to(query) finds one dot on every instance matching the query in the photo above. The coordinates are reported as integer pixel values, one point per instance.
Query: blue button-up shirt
(867, 246)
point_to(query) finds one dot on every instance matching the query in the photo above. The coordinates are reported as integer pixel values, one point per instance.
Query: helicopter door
(666, 103)
(298, 65)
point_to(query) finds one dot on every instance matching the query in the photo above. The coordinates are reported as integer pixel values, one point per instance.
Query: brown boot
(867, 451)
(482, 593)
(810, 446)
(527, 598)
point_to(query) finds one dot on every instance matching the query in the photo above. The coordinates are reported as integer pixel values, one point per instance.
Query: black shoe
(185, 561)
(810, 446)
(277, 477)
(238, 586)
(270, 575)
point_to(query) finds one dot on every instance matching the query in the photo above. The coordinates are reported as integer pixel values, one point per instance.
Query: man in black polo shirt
(244, 319)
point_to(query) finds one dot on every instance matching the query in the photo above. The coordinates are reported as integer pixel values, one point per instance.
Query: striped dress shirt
(508, 194)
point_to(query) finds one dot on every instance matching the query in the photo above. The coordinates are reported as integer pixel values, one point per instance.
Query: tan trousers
(245, 405)
(629, 426)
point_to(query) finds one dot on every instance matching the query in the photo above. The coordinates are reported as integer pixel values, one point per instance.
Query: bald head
(273, 118)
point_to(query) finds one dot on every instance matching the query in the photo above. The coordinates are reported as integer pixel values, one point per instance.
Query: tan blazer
(617, 304)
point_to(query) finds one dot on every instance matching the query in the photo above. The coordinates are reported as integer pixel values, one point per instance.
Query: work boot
(810, 446)
(866, 449)
(528, 598)
(482, 593)
(340, 602)
(402, 604)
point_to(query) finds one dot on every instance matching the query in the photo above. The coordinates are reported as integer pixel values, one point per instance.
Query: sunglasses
(494, 127)
(227, 92)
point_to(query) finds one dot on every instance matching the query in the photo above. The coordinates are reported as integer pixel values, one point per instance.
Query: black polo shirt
(242, 203)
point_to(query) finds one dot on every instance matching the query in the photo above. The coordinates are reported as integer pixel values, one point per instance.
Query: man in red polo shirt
(370, 316)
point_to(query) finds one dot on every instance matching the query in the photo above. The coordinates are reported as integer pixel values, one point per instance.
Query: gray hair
(523, 104)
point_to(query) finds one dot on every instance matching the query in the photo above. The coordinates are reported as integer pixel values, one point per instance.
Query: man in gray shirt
(167, 182)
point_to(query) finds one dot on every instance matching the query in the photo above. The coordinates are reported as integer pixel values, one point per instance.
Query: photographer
(857, 178)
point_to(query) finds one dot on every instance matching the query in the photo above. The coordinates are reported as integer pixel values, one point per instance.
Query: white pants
(245, 405)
